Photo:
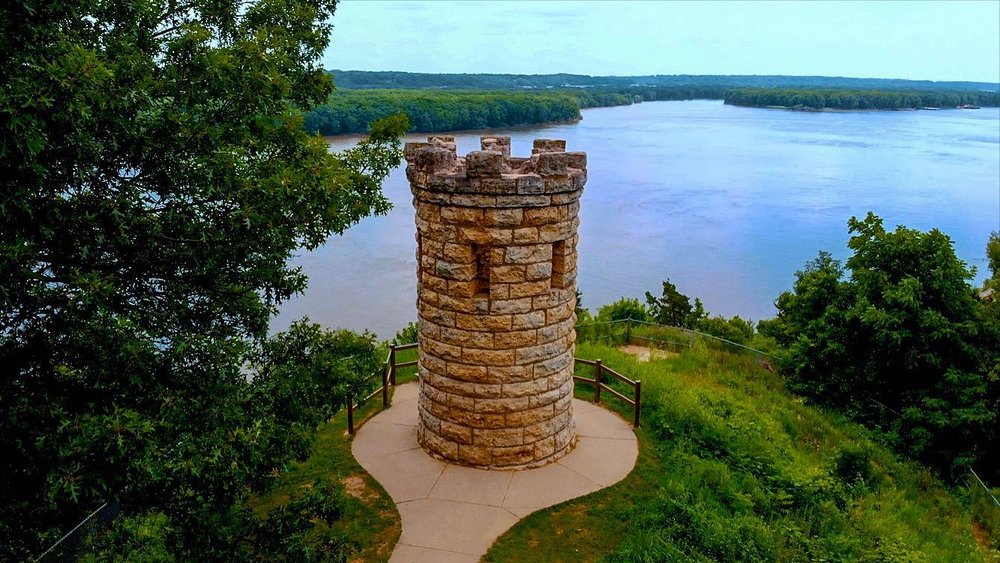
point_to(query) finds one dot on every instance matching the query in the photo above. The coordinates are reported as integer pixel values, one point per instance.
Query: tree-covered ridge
(351, 111)
(356, 79)
(858, 99)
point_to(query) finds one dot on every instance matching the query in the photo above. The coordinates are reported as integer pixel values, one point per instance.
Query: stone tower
(496, 252)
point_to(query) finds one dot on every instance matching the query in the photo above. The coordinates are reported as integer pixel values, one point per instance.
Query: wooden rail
(598, 382)
(390, 367)
(388, 373)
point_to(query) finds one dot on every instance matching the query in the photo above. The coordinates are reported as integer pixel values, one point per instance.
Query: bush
(623, 309)
(900, 343)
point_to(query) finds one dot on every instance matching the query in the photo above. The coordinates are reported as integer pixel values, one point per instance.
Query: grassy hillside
(732, 467)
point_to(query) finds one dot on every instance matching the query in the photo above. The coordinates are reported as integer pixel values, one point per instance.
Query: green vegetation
(156, 178)
(859, 99)
(674, 309)
(367, 80)
(902, 344)
(452, 102)
(733, 468)
(350, 111)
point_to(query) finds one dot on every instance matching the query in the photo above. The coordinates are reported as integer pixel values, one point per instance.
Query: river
(727, 202)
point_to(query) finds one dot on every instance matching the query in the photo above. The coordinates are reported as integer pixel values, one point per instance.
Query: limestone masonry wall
(496, 294)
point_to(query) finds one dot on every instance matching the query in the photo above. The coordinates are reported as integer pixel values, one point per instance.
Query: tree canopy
(849, 99)
(899, 340)
(155, 179)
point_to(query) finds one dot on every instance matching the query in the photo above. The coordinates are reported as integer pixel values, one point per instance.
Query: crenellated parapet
(436, 171)
(496, 295)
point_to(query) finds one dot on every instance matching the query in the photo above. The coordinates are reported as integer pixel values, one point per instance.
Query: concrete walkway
(454, 514)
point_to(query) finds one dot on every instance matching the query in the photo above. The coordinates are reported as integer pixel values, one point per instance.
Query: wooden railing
(390, 367)
(600, 371)
(388, 373)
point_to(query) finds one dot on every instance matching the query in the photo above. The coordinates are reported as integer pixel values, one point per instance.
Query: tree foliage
(818, 98)
(368, 80)
(897, 339)
(155, 178)
(673, 308)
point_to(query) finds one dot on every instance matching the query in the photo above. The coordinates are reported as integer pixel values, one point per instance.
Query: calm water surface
(726, 202)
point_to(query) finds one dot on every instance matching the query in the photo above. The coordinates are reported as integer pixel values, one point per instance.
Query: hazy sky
(916, 40)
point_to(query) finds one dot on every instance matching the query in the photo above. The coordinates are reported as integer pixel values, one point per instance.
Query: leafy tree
(899, 343)
(155, 178)
(407, 335)
(735, 329)
(674, 308)
(623, 309)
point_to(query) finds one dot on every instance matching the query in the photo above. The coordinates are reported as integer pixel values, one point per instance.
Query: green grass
(370, 521)
(733, 468)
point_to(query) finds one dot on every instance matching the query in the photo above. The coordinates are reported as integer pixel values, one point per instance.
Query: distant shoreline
(523, 126)
(807, 109)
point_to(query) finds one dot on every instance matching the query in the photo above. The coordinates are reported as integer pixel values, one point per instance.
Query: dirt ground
(645, 354)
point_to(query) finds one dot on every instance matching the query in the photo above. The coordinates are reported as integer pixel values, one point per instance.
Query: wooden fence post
(385, 385)
(392, 364)
(638, 401)
(597, 381)
(350, 416)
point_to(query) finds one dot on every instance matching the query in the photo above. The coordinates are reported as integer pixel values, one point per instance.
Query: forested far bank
(396, 80)
(858, 99)
(350, 111)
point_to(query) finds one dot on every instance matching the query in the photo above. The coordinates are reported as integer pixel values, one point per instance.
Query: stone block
(528, 253)
(523, 201)
(476, 455)
(439, 445)
(441, 350)
(522, 305)
(477, 420)
(457, 253)
(544, 215)
(538, 353)
(525, 235)
(496, 143)
(463, 290)
(513, 456)
(529, 184)
(507, 274)
(552, 164)
(484, 164)
(462, 215)
(456, 432)
(492, 323)
(514, 339)
(506, 374)
(539, 271)
(466, 338)
(497, 437)
(458, 304)
(543, 448)
(577, 159)
(534, 319)
(510, 217)
(488, 357)
(529, 416)
(466, 372)
(548, 145)
(496, 403)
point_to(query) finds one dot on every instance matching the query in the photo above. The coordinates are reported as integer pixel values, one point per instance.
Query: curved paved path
(452, 513)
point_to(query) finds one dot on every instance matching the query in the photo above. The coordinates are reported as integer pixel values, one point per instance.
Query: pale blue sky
(916, 40)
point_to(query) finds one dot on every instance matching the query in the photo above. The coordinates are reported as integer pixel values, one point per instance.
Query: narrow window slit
(559, 264)
(481, 254)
